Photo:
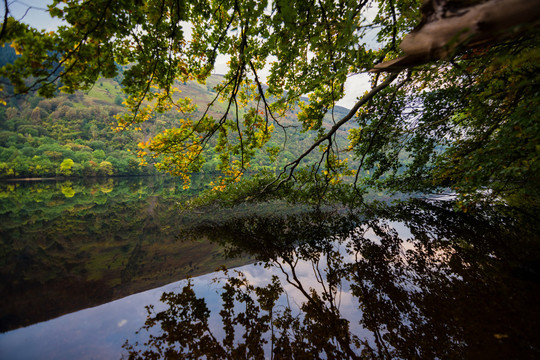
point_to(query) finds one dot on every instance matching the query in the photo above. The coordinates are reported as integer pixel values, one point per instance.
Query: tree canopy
(466, 120)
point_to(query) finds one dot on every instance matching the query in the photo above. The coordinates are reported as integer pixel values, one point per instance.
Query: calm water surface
(81, 260)
(72, 253)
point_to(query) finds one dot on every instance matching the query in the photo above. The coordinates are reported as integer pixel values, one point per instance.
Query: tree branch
(4, 25)
(292, 165)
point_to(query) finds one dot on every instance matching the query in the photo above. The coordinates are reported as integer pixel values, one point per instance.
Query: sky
(34, 12)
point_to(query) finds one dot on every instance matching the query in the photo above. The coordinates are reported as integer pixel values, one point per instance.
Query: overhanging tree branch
(447, 26)
(292, 165)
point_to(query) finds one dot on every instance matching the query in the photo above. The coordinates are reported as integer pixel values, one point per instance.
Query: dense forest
(70, 135)
(75, 135)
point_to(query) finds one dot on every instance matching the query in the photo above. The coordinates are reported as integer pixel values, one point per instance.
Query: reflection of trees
(252, 323)
(463, 286)
(70, 245)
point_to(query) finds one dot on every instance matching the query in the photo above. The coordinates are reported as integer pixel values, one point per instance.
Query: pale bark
(449, 25)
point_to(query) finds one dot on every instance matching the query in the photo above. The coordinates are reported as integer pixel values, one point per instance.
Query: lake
(81, 260)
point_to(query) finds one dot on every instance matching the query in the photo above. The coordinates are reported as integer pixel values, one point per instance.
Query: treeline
(71, 135)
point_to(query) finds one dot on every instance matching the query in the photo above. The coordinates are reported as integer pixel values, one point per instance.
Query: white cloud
(355, 86)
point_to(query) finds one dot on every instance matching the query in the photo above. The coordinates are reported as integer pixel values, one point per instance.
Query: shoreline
(72, 178)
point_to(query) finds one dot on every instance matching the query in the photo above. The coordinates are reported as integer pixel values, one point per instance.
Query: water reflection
(417, 280)
(67, 246)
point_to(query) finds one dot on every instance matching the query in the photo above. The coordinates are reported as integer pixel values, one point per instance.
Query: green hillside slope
(72, 135)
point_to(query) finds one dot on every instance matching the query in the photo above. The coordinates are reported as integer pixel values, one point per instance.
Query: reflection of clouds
(348, 304)
(107, 327)
(312, 275)
(122, 323)
(99, 332)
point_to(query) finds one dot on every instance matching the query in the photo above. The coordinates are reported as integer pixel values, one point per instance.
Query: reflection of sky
(348, 305)
(100, 332)
(95, 333)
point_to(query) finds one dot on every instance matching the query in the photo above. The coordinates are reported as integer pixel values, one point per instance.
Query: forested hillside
(73, 135)
(69, 135)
